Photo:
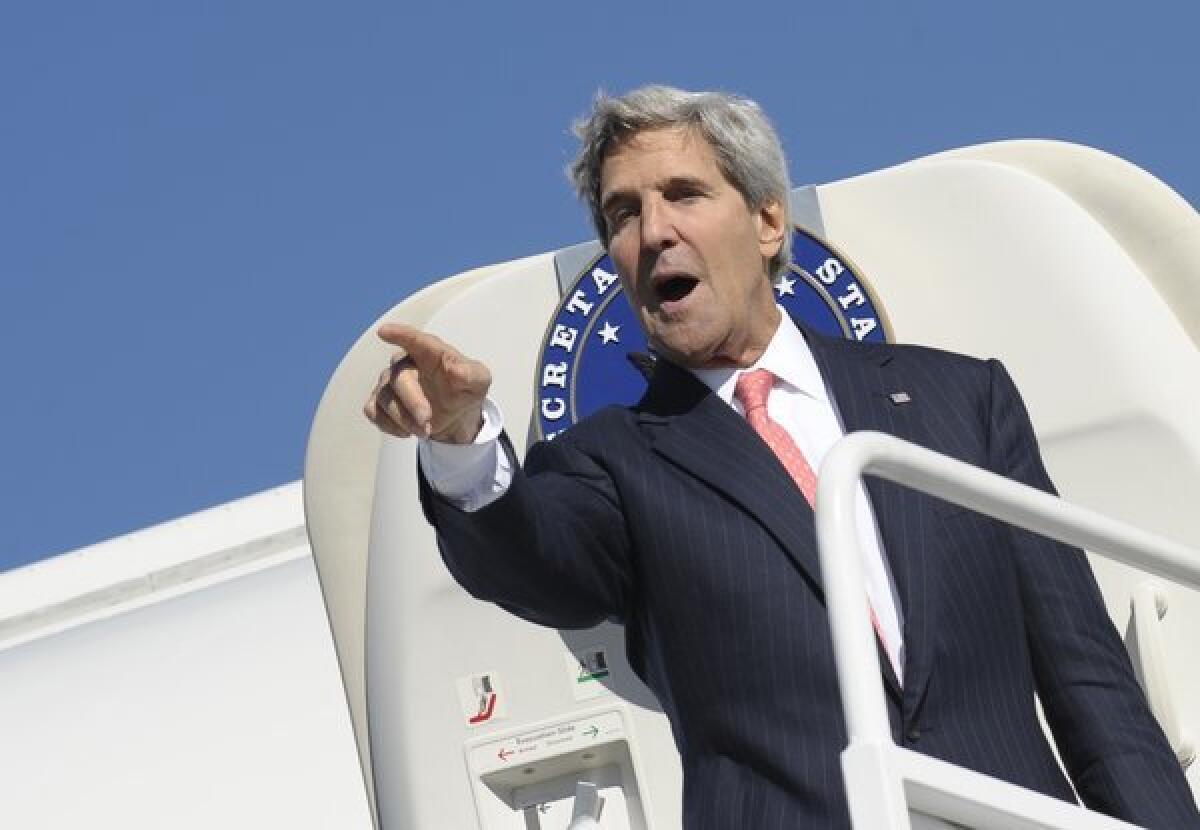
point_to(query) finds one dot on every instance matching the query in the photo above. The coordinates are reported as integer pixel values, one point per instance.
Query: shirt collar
(787, 356)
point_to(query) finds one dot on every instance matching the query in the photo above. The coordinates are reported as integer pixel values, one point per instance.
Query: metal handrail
(907, 464)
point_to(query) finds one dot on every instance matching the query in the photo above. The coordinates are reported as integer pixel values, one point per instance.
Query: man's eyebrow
(687, 181)
(612, 196)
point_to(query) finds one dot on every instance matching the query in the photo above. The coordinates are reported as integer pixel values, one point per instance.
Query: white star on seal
(784, 286)
(609, 333)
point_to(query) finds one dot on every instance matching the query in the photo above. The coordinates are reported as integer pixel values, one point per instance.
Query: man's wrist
(464, 431)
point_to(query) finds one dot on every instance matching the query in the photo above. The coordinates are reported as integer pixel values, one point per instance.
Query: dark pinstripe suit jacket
(675, 519)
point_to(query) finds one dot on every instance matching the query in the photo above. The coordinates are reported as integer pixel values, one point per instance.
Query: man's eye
(618, 216)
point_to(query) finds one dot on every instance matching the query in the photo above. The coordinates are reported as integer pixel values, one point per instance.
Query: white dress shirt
(472, 476)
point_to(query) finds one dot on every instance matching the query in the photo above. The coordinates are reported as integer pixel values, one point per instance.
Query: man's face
(692, 256)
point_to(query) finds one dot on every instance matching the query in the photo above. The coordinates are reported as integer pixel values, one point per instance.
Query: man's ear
(771, 227)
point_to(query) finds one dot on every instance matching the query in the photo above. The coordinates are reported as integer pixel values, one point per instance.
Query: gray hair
(747, 149)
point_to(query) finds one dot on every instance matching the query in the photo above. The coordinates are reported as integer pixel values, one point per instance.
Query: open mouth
(673, 289)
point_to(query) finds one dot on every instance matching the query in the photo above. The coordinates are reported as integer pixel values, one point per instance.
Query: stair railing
(893, 788)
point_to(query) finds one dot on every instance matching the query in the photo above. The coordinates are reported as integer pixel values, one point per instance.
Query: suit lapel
(862, 380)
(697, 431)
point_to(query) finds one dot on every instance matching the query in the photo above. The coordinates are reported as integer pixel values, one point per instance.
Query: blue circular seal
(595, 354)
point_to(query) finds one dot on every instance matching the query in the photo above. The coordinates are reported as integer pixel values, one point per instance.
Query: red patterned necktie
(752, 390)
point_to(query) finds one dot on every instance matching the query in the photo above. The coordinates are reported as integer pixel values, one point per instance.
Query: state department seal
(594, 353)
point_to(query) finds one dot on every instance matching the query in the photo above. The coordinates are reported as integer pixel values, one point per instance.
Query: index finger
(421, 346)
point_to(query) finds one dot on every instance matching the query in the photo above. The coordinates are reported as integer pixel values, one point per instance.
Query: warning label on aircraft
(587, 671)
(548, 740)
(482, 699)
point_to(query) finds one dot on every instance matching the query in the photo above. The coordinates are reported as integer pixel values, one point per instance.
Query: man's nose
(658, 225)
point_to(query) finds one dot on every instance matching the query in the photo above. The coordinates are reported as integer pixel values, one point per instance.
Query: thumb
(466, 374)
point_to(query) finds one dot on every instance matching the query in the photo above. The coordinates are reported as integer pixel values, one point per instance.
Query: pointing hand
(430, 389)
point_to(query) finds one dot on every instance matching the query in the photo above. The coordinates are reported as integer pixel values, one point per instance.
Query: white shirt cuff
(470, 476)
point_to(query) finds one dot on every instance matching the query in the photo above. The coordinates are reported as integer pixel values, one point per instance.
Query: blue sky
(202, 204)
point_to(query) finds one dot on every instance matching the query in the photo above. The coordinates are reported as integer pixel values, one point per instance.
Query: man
(687, 517)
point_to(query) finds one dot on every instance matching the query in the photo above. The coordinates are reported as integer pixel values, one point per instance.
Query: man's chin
(687, 342)
(685, 355)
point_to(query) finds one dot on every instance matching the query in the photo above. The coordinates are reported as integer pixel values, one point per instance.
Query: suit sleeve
(552, 550)
(1115, 751)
